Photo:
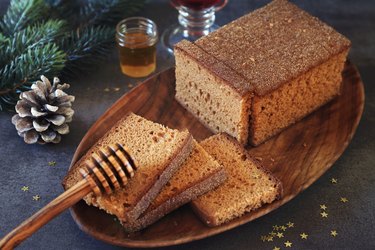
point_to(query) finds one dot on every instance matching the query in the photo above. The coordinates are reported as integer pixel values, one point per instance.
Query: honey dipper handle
(43, 216)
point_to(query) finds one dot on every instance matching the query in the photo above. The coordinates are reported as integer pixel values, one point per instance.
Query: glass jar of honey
(136, 39)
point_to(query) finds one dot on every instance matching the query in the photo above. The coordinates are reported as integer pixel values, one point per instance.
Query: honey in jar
(136, 39)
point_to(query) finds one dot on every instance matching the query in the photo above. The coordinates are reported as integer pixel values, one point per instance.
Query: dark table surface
(354, 221)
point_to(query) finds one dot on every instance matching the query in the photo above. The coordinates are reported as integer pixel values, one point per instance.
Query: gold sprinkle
(36, 197)
(304, 236)
(116, 89)
(130, 85)
(276, 248)
(272, 159)
(269, 238)
(334, 233)
(256, 176)
(288, 244)
(289, 20)
(290, 224)
(323, 207)
(343, 199)
(324, 214)
(303, 30)
(271, 25)
(244, 64)
(334, 181)
(106, 90)
(280, 235)
(52, 163)
(25, 188)
(252, 59)
(283, 228)
(258, 158)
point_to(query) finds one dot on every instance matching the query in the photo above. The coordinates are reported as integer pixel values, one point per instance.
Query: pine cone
(43, 112)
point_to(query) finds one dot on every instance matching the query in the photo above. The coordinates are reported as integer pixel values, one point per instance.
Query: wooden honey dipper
(105, 172)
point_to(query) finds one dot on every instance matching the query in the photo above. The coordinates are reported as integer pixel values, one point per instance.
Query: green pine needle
(22, 13)
(32, 36)
(54, 38)
(109, 11)
(85, 46)
(47, 60)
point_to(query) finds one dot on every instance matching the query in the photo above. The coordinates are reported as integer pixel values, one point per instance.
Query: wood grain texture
(298, 156)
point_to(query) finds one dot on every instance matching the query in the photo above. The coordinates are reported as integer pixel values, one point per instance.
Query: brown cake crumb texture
(248, 185)
(219, 108)
(158, 152)
(274, 60)
(199, 174)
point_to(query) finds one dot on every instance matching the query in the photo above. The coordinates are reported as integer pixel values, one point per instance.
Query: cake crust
(284, 41)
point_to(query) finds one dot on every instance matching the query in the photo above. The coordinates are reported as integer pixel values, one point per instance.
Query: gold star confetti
(280, 235)
(25, 188)
(343, 199)
(51, 163)
(288, 243)
(334, 233)
(304, 236)
(276, 248)
(334, 181)
(263, 238)
(290, 224)
(269, 238)
(324, 214)
(130, 85)
(323, 207)
(283, 228)
(36, 197)
(275, 227)
(106, 90)
(272, 233)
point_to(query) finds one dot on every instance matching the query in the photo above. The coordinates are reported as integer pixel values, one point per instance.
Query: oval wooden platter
(298, 156)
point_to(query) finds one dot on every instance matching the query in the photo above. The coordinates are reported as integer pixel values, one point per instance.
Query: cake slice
(158, 152)
(248, 185)
(262, 72)
(199, 174)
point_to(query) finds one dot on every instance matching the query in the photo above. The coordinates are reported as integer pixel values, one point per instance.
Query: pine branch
(33, 36)
(47, 60)
(109, 12)
(22, 13)
(85, 46)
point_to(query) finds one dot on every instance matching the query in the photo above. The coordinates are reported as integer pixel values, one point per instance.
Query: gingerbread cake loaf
(262, 72)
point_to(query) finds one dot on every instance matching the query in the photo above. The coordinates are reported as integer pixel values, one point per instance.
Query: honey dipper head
(109, 170)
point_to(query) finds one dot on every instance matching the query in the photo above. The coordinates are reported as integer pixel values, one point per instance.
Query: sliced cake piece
(158, 152)
(248, 185)
(199, 174)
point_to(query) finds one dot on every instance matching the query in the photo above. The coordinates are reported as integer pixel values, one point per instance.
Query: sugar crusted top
(273, 45)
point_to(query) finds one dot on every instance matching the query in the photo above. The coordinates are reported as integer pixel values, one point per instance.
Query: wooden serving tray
(298, 156)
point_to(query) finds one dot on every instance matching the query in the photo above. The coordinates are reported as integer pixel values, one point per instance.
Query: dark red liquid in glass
(197, 4)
